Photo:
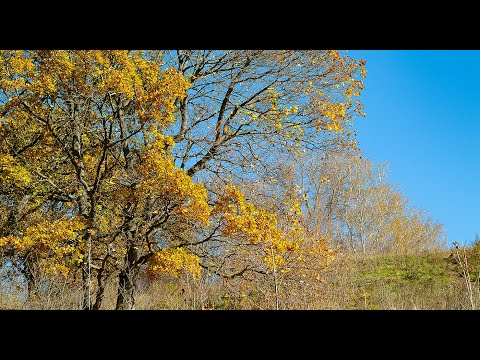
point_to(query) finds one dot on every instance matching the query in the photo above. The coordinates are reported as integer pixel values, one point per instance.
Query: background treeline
(191, 179)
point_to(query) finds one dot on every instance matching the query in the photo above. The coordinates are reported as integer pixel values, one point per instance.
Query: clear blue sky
(423, 118)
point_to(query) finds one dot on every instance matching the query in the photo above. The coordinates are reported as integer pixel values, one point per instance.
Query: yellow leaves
(14, 69)
(89, 162)
(292, 110)
(333, 115)
(14, 84)
(125, 75)
(46, 236)
(332, 127)
(233, 196)
(173, 261)
(279, 236)
(15, 242)
(44, 84)
(20, 63)
(332, 110)
(334, 54)
(102, 223)
(363, 72)
(286, 245)
(162, 178)
(57, 269)
(11, 173)
(295, 207)
(242, 218)
(156, 103)
(51, 233)
(274, 261)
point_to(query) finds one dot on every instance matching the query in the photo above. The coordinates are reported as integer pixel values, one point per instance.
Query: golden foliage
(243, 218)
(11, 173)
(55, 242)
(173, 261)
(162, 178)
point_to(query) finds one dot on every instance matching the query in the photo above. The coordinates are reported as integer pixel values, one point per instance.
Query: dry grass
(429, 281)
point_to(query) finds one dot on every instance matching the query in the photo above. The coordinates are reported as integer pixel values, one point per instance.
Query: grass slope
(430, 280)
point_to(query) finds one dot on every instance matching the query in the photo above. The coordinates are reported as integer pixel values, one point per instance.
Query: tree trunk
(126, 282)
(99, 297)
(32, 293)
(126, 291)
(102, 281)
(86, 305)
(87, 275)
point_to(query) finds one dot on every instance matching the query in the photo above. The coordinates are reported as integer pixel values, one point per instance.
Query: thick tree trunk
(126, 282)
(126, 291)
(101, 285)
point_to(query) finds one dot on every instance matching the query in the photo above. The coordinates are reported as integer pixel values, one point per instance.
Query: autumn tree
(247, 110)
(98, 151)
(98, 155)
(261, 249)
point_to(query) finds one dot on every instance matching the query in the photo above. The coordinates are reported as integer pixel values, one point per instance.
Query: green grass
(412, 269)
(430, 280)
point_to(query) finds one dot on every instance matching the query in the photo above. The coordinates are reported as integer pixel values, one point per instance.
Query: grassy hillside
(432, 280)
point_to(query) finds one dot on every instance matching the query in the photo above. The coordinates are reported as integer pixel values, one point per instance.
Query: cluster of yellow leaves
(173, 261)
(242, 218)
(277, 118)
(285, 244)
(14, 68)
(333, 115)
(129, 75)
(335, 112)
(162, 178)
(140, 80)
(18, 131)
(354, 89)
(50, 237)
(11, 173)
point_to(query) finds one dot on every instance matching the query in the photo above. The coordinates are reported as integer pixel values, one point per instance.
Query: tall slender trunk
(277, 301)
(85, 206)
(85, 288)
